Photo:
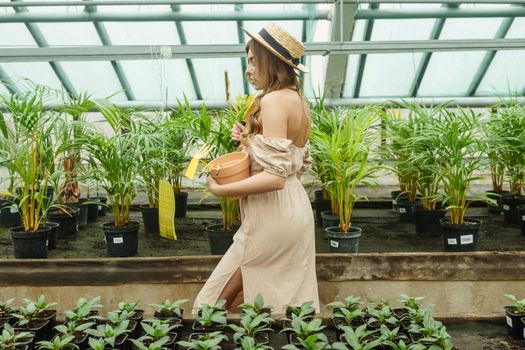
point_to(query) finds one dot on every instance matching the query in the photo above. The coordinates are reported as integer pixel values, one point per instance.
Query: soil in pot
(150, 217)
(121, 241)
(427, 221)
(341, 242)
(329, 219)
(220, 240)
(521, 215)
(197, 327)
(68, 222)
(30, 245)
(462, 237)
(510, 208)
(38, 327)
(514, 324)
(181, 204)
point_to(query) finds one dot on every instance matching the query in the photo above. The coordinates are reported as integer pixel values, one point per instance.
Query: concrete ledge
(475, 266)
(463, 285)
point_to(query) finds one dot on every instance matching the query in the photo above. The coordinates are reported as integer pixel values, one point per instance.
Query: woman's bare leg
(239, 299)
(232, 290)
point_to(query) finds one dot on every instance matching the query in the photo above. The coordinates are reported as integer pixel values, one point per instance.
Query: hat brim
(263, 42)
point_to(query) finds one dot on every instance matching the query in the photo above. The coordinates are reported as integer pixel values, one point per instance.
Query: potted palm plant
(490, 129)
(116, 156)
(32, 160)
(218, 136)
(460, 153)
(398, 131)
(510, 136)
(426, 166)
(155, 164)
(186, 121)
(346, 154)
(322, 203)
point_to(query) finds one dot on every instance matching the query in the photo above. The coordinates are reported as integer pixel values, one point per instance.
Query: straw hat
(282, 44)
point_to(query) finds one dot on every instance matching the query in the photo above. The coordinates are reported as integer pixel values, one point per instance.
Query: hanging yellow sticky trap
(166, 210)
(194, 163)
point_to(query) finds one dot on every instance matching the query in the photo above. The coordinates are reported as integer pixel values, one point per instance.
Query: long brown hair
(273, 74)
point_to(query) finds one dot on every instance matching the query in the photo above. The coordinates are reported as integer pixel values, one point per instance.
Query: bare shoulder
(283, 98)
(274, 114)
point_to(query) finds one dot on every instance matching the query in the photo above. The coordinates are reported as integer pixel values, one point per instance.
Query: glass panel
(133, 9)
(3, 90)
(96, 78)
(159, 79)
(18, 35)
(210, 74)
(314, 81)
(450, 73)
(351, 73)
(389, 74)
(199, 32)
(78, 33)
(27, 74)
(54, 9)
(506, 73)
(142, 33)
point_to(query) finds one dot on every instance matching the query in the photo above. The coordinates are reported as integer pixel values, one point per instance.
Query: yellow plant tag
(194, 163)
(166, 210)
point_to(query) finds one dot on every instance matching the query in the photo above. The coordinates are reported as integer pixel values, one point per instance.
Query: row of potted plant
(358, 325)
(437, 154)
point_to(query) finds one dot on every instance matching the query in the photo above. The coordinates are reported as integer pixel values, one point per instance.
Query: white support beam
(144, 52)
(342, 30)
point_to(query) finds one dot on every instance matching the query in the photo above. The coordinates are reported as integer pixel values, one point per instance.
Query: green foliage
(58, 343)
(345, 155)
(519, 305)
(170, 309)
(207, 341)
(209, 315)
(248, 343)
(9, 338)
(109, 333)
(251, 325)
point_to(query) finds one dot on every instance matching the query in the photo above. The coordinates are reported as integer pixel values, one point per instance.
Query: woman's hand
(213, 186)
(237, 129)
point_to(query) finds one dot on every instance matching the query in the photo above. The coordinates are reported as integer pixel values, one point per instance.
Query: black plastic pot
(461, 237)
(150, 217)
(320, 205)
(92, 209)
(498, 208)
(37, 326)
(510, 210)
(52, 237)
(83, 213)
(220, 240)
(68, 222)
(181, 204)
(329, 219)
(427, 221)
(102, 209)
(341, 242)
(514, 324)
(406, 209)
(521, 215)
(121, 241)
(30, 245)
(9, 217)
(396, 195)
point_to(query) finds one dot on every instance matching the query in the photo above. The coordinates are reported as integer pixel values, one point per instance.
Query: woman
(273, 251)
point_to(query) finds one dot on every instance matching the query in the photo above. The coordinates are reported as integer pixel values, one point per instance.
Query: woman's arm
(274, 119)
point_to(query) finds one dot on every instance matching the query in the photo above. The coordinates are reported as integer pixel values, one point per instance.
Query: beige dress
(275, 245)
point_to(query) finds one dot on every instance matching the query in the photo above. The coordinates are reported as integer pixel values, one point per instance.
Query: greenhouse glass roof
(160, 50)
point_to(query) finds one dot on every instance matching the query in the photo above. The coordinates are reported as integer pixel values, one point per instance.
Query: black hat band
(278, 47)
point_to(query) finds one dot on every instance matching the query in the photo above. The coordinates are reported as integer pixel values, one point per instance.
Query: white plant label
(452, 241)
(47, 243)
(334, 244)
(99, 207)
(394, 201)
(402, 210)
(13, 210)
(506, 207)
(467, 239)
(118, 240)
(523, 218)
(509, 321)
(523, 332)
